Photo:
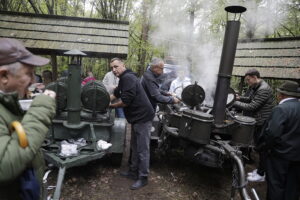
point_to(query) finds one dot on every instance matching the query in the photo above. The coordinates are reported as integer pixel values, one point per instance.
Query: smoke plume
(199, 47)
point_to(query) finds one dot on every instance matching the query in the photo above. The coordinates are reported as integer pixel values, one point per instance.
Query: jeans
(120, 113)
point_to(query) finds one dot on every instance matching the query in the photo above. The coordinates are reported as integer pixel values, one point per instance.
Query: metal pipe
(238, 161)
(215, 149)
(254, 194)
(232, 153)
(74, 90)
(225, 70)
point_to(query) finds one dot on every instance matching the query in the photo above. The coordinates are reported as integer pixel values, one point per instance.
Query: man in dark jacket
(21, 134)
(150, 83)
(281, 139)
(258, 104)
(139, 112)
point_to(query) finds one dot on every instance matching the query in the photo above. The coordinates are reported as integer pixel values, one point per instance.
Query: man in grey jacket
(258, 104)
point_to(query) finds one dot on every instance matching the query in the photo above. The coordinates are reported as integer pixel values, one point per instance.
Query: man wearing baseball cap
(21, 133)
(281, 139)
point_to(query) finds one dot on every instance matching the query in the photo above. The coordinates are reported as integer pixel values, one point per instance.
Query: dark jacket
(150, 84)
(13, 158)
(132, 94)
(259, 103)
(282, 134)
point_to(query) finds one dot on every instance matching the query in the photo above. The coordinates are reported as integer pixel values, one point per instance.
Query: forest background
(191, 31)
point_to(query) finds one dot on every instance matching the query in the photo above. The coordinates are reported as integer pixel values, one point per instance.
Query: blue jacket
(150, 84)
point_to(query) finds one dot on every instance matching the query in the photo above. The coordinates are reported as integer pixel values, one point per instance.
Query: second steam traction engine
(211, 135)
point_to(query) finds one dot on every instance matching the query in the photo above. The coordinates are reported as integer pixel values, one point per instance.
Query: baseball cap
(11, 51)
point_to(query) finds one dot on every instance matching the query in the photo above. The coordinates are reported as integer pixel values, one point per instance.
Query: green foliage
(141, 48)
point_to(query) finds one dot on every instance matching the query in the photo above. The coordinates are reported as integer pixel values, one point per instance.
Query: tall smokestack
(74, 81)
(226, 63)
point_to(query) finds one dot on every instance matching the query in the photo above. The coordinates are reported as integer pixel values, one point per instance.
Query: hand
(50, 93)
(40, 86)
(112, 97)
(176, 100)
(237, 97)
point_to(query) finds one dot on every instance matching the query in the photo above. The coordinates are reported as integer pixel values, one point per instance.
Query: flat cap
(12, 51)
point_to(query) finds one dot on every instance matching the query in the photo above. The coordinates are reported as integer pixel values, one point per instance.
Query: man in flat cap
(21, 133)
(281, 140)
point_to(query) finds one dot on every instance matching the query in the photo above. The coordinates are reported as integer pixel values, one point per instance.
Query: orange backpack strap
(17, 126)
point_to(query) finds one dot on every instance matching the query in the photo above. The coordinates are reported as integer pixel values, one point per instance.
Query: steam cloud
(262, 19)
(173, 31)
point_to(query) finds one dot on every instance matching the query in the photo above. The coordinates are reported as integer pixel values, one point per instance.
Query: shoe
(256, 178)
(141, 182)
(129, 174)
(252, 173)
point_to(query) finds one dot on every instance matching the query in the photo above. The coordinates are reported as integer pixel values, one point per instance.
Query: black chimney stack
(226, 64)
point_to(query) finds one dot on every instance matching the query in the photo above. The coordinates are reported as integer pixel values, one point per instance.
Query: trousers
(140, 147)
(283, 178)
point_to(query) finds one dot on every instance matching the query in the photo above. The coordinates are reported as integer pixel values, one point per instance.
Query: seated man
(180, 82)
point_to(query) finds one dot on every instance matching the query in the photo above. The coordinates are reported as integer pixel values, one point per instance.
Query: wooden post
(54, 66)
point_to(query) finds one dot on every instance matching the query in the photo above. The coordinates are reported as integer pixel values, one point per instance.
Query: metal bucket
(242, 131)
(196, 126)
(174, 120)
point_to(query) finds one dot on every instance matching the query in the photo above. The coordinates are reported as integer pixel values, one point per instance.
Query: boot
(130, 174)
(141, 182)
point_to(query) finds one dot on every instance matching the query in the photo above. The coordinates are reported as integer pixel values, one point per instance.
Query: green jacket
(13, 158)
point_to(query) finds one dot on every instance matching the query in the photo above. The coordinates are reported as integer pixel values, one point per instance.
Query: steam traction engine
(83, 123)
(210, 135)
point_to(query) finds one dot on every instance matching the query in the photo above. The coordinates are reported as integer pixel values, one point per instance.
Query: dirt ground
(172, 178)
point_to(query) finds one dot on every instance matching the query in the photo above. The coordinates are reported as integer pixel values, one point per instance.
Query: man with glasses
(151, 84)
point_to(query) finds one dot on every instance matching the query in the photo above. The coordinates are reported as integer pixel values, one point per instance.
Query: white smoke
(173, 31)
(264, 18)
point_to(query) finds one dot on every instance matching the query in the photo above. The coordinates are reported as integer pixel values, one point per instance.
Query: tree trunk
(33, 5)
(144, 36)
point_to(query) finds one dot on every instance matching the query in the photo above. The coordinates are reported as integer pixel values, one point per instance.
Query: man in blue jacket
(281, 140)
(139, 112)
(150, 83)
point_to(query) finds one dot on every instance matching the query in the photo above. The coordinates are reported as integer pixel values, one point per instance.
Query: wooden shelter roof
(53, 34)
(277, 58)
